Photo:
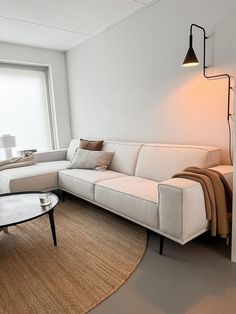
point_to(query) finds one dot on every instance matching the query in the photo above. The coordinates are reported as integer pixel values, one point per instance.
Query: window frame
(47, 70)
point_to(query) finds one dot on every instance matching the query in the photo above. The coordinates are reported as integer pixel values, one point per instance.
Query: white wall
(127, 83)
(55, 59)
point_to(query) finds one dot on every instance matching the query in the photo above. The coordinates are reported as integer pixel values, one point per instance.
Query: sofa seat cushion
(39, 177)
(81, 181)
(131, 197)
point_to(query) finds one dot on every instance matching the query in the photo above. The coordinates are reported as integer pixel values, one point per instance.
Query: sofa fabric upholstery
(125, 157)
(38, 177)
(160, 162)
(134, 197)
(182, 211)
(137, 185)
(54, 155)
(81, 182)
(226, 170)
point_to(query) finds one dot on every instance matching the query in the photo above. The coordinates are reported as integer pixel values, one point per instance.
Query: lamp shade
(7, 141)
(191, 58)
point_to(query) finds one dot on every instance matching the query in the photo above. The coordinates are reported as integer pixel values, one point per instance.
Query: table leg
(52, 224)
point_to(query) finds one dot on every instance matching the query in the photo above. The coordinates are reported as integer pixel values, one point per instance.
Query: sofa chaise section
(42, 176)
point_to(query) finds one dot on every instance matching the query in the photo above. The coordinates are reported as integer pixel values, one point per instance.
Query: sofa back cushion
(125, 156)
(160, 162)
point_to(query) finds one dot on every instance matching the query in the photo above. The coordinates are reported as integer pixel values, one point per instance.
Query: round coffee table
(17, 208)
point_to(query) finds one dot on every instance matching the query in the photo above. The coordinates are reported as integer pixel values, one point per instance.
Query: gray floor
(197, 278)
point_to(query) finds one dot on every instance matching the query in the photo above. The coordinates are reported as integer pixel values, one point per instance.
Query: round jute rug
(97, 251)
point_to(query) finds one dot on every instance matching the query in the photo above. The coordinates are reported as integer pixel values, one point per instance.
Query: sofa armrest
(227, 172)
(53, 155)
(182, 213)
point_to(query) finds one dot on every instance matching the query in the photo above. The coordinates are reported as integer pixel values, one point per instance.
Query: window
(24, 110)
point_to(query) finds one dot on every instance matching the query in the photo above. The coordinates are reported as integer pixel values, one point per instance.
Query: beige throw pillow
(88, 159)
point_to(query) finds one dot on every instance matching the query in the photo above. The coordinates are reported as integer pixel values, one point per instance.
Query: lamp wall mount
(191, 60)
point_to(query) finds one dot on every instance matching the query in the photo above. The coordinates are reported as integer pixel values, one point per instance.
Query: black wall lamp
(191, 60)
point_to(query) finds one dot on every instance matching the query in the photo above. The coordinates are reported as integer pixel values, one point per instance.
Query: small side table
(20, 207)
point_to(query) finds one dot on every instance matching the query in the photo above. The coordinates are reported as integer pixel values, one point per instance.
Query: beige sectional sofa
(137, 186)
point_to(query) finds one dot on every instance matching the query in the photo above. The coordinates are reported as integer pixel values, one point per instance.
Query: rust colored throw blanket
(217, 194)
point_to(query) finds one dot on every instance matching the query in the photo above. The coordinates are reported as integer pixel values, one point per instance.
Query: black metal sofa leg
(63, 196)
(162, 238)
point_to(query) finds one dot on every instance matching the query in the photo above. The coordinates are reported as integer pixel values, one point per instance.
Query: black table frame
(50, 213)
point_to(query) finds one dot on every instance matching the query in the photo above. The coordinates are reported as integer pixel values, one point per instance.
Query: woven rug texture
(97, 251)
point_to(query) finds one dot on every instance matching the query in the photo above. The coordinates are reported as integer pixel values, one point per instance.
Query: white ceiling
(61, 24)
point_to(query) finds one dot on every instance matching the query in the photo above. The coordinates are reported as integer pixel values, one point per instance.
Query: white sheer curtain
(24, 108)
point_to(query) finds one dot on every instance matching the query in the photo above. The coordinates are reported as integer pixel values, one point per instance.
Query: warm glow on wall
(191, 60)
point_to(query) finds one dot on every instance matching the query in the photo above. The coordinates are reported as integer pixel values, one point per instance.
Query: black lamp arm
(223, 75)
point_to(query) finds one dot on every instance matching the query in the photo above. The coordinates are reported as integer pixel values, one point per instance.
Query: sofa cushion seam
(127, 194)
(71, 176)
